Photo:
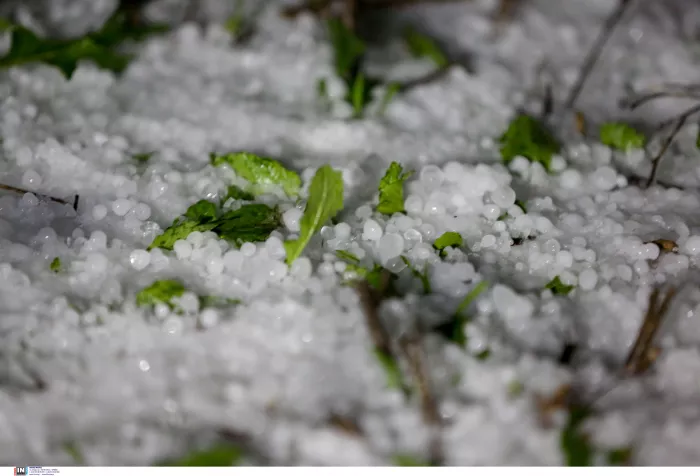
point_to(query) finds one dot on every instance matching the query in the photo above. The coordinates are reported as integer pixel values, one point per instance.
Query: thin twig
(596, 50)
(679, 122)
(415, 356)
(635, 102)
(23, 191)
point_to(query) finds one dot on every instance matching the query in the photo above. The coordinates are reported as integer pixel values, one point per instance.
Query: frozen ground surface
(130, 386)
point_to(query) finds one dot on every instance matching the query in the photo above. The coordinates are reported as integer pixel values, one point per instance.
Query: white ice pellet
(371, 231)
(604, 178)
(342, 231)
(431, 176)
(503, 197)
(491, 211)
(301, 268)
(488, 241)
(565, 259)
(514, 308)
(692, 245)
(28, 200)
(275, 248)
(31, 179)
(248, 249)
(543, 225)
(209, 318)
(183, 249)
(215, 266)
(142, 211)
(587, 279)
(196, 239)
(390, 246)
(121, 206)
(99, 212)
(414, 204)
(571, 179)
(404, 222)
(161, 310)
(427, 230)
(363, 212)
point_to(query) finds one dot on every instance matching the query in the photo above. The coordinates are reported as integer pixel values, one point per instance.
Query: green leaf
(359, 95)
(203, 212)
(422, 276)
(348, 49)
(449, 238)
(216, 301)
(620, 456)
(234, 23)
(65, 55)
(521, 204)
(391, 189)
(251, 223)
(392, 89)
(218, 455)
(453, 330)
(143, 157)
(527, 137)
(484, 354)
(55, 265)
(697, 140)
(558, 288)
(118, 28)
(347, 256)
(179, 230)
(163, 290)
(237, 193)
(394, 380)
(325, 201)
(422, 46)
(71, 448)
(261, 171)
(408, 460)
(621, 136)
(573, 442)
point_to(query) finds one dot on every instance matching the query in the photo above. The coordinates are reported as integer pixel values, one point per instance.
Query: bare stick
(596, 50)
(23, 191)
(679, 123)
(635, 102)
(413, 351)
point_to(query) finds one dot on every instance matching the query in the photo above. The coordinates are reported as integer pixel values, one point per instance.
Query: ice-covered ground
(82, 366)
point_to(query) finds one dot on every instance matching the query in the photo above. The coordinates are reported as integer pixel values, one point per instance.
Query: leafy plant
(55, 265)
(446, 240)
(260, 171)
(161, 291)
(621, 136)
(324, 202)
(574, 443)
(528, 138)
(559, 288)
(391, 189)
(422, 46)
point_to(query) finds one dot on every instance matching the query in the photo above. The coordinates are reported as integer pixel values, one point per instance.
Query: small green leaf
(358, 95)
(394, 380)
(161, 291)
(143, 157)
(179, 230)
(65, 55)
(453, 330)
(422, 46)
(237, 193)
(55, 265)
(620, 456)
(322, 89)
(697, 140)
(260, 171)
(251, 223)
(559, 288)
(521, 204)
(422, 276)
(484, 354)
(391, 189)
(234, 23)
(447, 239)
(392, 89)
(218, 455)
(325, 201)
(203, 212)
(408, 460)
(71, 448)
(528, 138)
(573, 442)
(348, 49)
(347, 256)
(621, 136)
(216, 301)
